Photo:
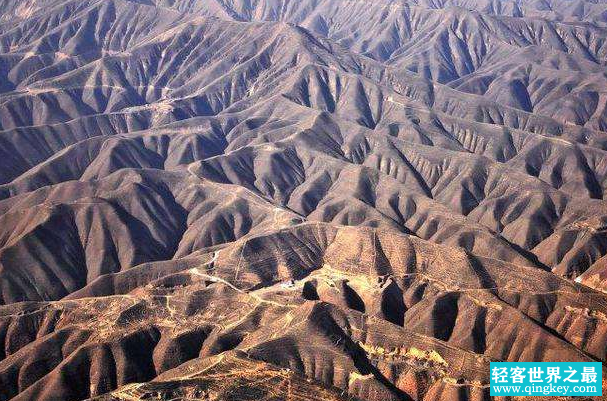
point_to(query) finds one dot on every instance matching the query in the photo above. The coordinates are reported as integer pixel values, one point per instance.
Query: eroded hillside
(273, 199)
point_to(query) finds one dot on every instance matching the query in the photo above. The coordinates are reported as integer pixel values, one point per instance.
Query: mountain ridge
(273, 199)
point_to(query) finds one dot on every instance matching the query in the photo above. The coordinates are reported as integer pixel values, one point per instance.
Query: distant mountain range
(298, 199)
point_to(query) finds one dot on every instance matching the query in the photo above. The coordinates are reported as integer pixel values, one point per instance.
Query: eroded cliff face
(329, 199)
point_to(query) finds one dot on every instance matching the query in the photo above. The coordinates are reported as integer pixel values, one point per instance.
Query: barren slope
(275, 199)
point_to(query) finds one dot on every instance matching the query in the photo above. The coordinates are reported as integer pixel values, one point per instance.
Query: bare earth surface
(298, 200)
